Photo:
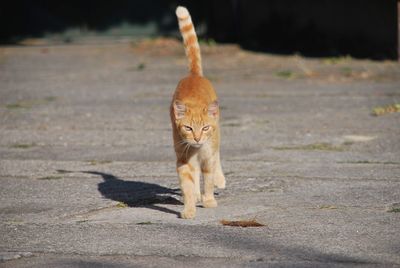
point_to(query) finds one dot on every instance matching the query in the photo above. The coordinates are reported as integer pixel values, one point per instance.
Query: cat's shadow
(137, 193)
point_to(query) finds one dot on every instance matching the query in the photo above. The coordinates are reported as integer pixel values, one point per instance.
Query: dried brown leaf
(244, 223)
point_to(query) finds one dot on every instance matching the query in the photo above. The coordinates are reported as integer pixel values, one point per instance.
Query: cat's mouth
(196, 145)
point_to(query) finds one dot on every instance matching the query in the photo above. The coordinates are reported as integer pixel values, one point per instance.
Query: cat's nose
(197, 139)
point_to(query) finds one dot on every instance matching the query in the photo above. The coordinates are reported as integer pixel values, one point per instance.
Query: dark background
(317, 28)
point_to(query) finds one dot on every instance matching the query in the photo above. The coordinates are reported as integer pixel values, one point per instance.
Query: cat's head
(195, 125)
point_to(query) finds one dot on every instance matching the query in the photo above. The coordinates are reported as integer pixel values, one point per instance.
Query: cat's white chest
(205, 152)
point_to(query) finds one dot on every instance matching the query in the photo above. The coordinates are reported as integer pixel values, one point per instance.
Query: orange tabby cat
(195, 116)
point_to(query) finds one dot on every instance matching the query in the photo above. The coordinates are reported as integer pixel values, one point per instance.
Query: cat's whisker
(181, 142)
(187, 151)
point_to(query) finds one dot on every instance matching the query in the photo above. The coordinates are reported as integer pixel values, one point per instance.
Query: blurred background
(314, 28)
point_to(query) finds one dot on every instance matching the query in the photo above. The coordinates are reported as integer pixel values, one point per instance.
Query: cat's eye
(187, 128)
(206, 128)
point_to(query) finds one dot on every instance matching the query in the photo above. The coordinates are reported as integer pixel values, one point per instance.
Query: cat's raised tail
(190, 41)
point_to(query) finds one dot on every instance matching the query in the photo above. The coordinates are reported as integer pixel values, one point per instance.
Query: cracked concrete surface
(87, 169)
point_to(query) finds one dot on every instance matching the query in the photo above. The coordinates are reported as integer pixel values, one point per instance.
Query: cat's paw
(209, 202)
(219, 181)
(188, 213)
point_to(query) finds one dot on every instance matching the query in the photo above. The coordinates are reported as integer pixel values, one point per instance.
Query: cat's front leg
(187, 183)
(194, 166)
(208, 198)
(208, 169)
(219, 178)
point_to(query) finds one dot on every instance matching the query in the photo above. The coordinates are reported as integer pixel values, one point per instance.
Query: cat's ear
(179, 109)
(213, 109)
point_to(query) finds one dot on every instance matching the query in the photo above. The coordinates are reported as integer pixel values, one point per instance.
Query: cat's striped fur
(190, 41)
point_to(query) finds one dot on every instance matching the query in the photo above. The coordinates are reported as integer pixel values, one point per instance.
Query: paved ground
(87, 168)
